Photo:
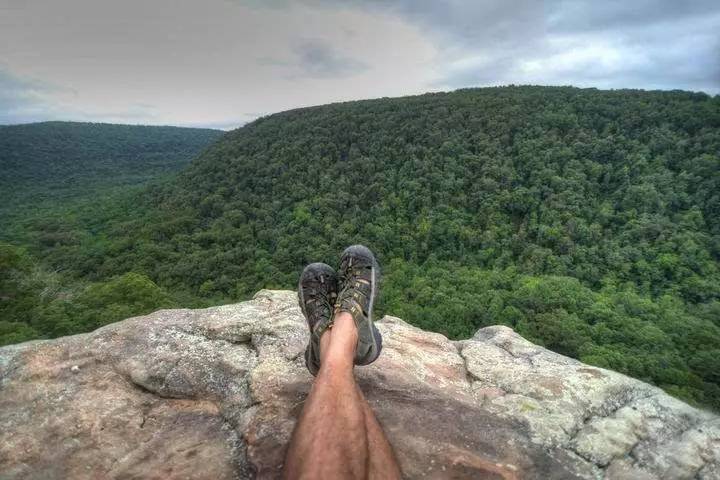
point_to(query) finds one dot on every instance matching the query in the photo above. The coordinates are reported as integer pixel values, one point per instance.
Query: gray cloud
(617, 15)
(609, 44)
(500, 23)
(515, 21)
(317, 58)
(213, 61)
(199, 66)
(24, 100)
(314, 58)
(456, 22)
(21, 99)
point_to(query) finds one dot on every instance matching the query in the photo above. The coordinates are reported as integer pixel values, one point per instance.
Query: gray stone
(215, 393)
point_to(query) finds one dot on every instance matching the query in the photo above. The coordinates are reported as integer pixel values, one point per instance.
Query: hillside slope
(42, 164)
(59, 183)
(215, 394)
(586, 220)
(606, 187)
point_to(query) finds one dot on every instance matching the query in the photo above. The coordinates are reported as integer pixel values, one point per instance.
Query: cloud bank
(222, 63)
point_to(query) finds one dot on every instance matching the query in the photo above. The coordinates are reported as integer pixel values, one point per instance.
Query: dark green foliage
(655, 340)
(59, 183)
(43, 164)
(33, 303)
(587, 220)
(606, 187)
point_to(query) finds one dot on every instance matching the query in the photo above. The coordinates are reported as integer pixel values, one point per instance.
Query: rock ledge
(214, 394)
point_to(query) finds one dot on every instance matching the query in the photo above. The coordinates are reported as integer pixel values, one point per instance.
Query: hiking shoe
(359, 275)
(317, 292)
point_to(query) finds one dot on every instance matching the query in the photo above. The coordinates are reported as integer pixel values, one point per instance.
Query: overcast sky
(222, 63)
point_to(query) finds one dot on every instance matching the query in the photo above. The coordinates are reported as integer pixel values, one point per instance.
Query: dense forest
(58, 181)
(587, 220)
(43, 165)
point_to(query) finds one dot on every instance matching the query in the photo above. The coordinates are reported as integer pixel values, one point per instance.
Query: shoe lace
(347, 299)
(324, 305)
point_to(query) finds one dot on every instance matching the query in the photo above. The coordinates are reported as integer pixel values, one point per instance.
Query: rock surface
(214, 394)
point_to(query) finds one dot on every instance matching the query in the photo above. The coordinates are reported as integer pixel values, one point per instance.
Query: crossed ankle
(338, 344)
(344, 329)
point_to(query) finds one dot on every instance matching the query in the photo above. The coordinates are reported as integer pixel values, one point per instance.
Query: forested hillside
(59, 183)
(44, 165)
(587, 220)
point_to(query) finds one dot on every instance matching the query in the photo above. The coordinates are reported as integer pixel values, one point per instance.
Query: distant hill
(602, 186)
(587, 220)
(50, 162)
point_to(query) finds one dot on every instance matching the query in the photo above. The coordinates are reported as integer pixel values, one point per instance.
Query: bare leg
(383, 463)
(337, 435)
